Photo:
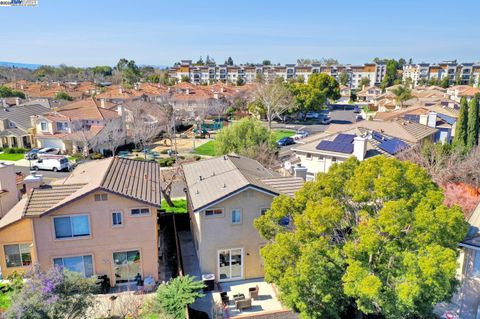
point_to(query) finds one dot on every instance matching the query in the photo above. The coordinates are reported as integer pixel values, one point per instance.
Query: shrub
(174, 296)
(95, 156)
(166, 162)
(15, 150)
(55, 294)
(63, 96)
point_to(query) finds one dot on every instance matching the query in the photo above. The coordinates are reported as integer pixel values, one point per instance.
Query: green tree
(433, 81)
(402, 94)
(473, 122)
(445, 82)
(275, 98)
(364, 82)
(343, 78)
(200, 61)
(460, 138)
(391, 74)
(63, 96)
(327, 85)
(371, 236)
(244, 138)
(103, 70)
(5, 91)
(174, 296)
(229, 61)
(129, 70)
(267, 62)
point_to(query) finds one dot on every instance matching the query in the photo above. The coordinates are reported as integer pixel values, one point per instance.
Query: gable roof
(213, 180)
(137, 180)
(20, 114)
(86, 109)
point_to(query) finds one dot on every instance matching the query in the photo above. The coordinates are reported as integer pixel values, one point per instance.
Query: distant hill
(19, 65)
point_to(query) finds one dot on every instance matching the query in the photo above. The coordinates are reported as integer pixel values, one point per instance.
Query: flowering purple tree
(57, 293)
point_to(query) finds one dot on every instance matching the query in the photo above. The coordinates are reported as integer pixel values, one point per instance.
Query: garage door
(52, 142)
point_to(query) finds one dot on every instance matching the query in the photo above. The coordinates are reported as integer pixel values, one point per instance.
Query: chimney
(136, 87)
(17, 101)
(120, 90)
(423, 119)
(300, 171)
(187, 91)
(32, 181)
(216, 95)
(222, 89)
(22, 87)
(359, 147)
(4, 103)
(432, 119)
(102, 103)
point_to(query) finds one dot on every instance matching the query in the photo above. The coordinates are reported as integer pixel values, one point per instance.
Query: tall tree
(445, 82)
(371, 236)
(343, 78)
(364, 82)
(229, 61)
(402, 93)
(473, 122)
(327, 85)
(391, 74)
(460, 138)
(275, 99)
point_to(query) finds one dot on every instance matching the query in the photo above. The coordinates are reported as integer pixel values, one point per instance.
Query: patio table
(238, 297)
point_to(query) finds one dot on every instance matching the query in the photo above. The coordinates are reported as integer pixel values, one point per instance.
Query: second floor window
(71, 226)
(44, 126)
(140, 211)
(62, 126)
(117, 219)
(101, 197)
(236, 216)
(18, 255)
(214, 212)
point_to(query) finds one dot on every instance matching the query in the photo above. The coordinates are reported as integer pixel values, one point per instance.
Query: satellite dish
(287, 165)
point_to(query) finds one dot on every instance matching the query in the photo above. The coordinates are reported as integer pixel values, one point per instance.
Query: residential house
(457, 92)
(367, 94)
(361, 140)
(225, 195)
(79, 125)
(16, 127)
(10, 188)
(100, 220)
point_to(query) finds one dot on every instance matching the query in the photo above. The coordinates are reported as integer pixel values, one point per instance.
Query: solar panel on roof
(330, 146)
(378, 137)
(393, 146)
(450, 120)
(412, 118)
(344, 138)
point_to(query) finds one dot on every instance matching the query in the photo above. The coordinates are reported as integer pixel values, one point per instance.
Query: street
(48, 176)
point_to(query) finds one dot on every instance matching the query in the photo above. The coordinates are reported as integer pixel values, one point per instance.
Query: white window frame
(46, 126)
(71, 227)
(20, 252)
(140, 214)
(121, 219)
(308, 156)
(241, 216)
(222, 214)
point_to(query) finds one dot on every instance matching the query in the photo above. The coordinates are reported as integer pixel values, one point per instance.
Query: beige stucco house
(225, 195)
(100, 220)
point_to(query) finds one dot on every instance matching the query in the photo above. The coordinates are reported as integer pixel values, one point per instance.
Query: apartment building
(375, 72)
(461, 73)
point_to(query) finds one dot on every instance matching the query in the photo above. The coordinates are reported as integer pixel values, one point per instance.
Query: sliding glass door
(230, 264)
(126, 266)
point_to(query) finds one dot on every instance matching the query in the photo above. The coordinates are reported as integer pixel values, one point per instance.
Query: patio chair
(253, 292)
(243, 304)
(225, 299)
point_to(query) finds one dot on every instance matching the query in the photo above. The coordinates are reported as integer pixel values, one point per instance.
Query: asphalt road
(340, 114)
(48, 176)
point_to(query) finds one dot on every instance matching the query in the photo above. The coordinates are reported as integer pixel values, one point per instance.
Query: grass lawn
(282, 133)
(180, 206)
(207, 149)
(5, 301)
(10, 157)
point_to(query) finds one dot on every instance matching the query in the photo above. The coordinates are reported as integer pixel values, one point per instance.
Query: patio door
(230, 264)
(126, 266)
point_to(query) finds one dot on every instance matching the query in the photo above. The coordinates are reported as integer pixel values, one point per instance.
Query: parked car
(49, 150)
(300, 134)
(285, 141)
(32, 154)
(312, 115)
(52, 163)
(325, 120)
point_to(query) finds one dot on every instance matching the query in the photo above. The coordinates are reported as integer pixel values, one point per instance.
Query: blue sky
(88, 32)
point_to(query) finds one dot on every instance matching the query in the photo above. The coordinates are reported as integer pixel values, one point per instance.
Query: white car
(300, 134)
(52, 163)
(49, 150)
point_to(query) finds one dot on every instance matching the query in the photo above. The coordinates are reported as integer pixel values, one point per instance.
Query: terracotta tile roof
(137, 180)
(88, 109)
(117, 92)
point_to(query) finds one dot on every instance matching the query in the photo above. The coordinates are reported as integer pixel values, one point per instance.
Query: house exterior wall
(20, 232)
(215, 233)
(469, 290)
(316, 165)
(8, 183)
(136, 233)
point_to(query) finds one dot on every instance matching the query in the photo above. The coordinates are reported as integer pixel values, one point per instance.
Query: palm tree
(402, 93)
